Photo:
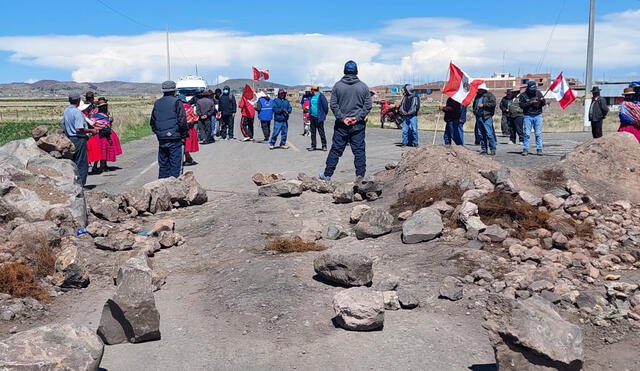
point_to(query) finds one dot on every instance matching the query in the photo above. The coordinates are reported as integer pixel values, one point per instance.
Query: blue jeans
(170, 158)
(278, 128)
(453, 131)
(487, 133)
(213, 125)
(343, 135)
(477, 133)
(410, 130)
(80, 158)
(534, 122)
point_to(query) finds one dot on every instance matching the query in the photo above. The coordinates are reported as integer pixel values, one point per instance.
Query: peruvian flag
(248, 93)
(460, 86)
(260, 74)
(562, 91)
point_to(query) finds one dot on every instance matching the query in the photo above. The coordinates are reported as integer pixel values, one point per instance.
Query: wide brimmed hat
(83, 105)
(595, 89)
(628, 91)
(483, 86)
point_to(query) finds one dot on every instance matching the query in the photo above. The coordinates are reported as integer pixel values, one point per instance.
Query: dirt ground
(229, 304)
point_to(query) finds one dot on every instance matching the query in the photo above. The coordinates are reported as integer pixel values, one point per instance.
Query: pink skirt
(630, 129)
(191, 144)
(109, 152)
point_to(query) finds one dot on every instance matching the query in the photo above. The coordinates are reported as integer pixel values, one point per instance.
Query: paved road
(227, 166)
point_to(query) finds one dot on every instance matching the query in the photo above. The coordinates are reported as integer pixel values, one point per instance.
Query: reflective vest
(266, 109)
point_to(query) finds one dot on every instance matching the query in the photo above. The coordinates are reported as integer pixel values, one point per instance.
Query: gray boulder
(451, 288)
(359, 309)
(336, 232)
(196, 194)
(116, 240)
(283, 188)
(36, 234)
(357, 212)
(131, 314)
(139, 199)
(18, 152)
(369, 185)
(70, 271)
(343, 193)
(501, 179)
(39, 132)
(424, 225)
(103, 205)
(58, 145)
(531, 335)
(52, 347)
(345, 267)
(374, 223)
(160, 195)
(408, 299)
(495, 233)
(261, 179)
(315, 184)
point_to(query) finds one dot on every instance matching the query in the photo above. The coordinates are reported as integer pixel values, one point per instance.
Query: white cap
(483, 86)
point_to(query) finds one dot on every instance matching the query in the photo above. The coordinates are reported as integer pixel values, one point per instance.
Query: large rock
(57, 143)
(501, 179)
(139, 199)
(468, 214)
(18, 152)
(261, 179)
(345, 267)
(374, 223)
(451, 288)
(343, 193)
(495, 233)
(531, 335)
(70, 272)
(196, 194)
(369, 185)
(131, 314)
(39, 132)
(36, 234)
(424, 225)
(116, 240)
(357, 212)
(103, 205)
(315, 184)
(284, 188)
(52, 347)
(164, 192)
(359, 309)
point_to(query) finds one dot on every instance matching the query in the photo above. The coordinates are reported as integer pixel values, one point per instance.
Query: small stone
(451, 288)
(405, 215)
(495, 233)
(391, 301)
(357, 212)
(336, 232)
(424, 225)
(408, 299)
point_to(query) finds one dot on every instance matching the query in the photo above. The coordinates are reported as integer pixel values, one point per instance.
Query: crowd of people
(181, 124)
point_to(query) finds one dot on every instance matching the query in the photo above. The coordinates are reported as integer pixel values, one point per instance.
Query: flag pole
(435, 131)
(549, 88)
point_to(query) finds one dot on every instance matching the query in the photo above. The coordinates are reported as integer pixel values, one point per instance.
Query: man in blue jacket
(350, 103)
(169, 123)
(281, 111)
(318, 110)
(265, 115)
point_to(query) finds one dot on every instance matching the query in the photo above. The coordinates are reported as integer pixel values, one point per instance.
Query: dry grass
(421, 198)
(510, 211)
(44, 261)
(550, 178)
(287, 245)
(18, 280)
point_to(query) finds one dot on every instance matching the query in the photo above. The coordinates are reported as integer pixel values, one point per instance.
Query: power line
(546, 48)
(126, 16)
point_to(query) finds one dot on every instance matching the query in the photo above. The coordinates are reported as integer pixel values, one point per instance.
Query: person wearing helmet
(281, 111)
(350, 103)
(484, 107)
(531, 102)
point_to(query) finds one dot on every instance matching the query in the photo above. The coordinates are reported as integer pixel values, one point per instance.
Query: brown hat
(628, 91)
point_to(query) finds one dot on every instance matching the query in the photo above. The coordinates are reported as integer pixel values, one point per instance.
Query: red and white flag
(562, 91)
(460, 86)
(260, 74)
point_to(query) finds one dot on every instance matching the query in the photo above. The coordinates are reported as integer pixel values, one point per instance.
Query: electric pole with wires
(589, 72)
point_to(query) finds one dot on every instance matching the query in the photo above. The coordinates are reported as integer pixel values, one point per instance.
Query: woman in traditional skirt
(107, 138)
(191, 144)
(630, 114)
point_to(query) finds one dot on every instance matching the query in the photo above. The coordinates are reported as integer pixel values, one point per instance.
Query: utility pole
(589, 76)
(168, 57)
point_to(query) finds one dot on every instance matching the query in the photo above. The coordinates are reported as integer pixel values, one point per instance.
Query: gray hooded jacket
(410, 104)
(350, 97)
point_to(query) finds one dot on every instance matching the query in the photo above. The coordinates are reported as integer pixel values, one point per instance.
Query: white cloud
(31, 81)
(416, 47)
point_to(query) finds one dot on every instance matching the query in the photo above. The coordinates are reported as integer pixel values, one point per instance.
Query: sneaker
(539, 152)
(246, 139)
(284, 146)
(271, 146)
(324, 177)
(525, 152)
(310, 149)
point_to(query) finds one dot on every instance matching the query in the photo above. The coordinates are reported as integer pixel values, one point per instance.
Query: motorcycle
(389, 113)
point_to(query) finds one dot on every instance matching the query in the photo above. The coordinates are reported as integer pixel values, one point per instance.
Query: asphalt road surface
(227, 166)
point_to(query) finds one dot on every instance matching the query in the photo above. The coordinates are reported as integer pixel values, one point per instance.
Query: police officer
(169, 123)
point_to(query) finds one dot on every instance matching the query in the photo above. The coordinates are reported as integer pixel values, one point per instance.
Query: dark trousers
(226, 126)
(266, 129)
(504, 126)
(319, 126)
(453, 131)
(247, 127)
(343, 135)
(204, 130)
(596, 129)
(170, 158)
(80, 158)
(516, 126)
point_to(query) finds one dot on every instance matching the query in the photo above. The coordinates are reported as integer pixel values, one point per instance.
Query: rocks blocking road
(359, 309)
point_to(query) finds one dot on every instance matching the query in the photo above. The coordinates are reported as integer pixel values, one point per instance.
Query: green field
(19, 116)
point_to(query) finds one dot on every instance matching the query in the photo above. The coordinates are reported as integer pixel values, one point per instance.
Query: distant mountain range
(53, 88)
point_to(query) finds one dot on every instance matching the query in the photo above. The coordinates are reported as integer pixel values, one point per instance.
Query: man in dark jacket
(504, 108)
(531, 102)
(227, 107)
(455, 115)
(597, 112)
(484, 107)
(281, 111)
(350, 103)
(318, 109)
(516, 118)
(206, 109)
(169, 123)
(409, 108)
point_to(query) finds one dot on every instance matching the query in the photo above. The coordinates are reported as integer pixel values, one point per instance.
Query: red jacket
(246, 108)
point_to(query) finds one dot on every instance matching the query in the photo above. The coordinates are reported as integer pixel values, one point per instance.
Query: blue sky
(406, 40)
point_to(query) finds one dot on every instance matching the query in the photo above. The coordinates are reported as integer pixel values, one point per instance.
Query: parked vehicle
(389, 112)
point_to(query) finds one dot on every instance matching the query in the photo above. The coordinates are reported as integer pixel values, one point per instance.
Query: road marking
(293, 147)
(142, 173)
